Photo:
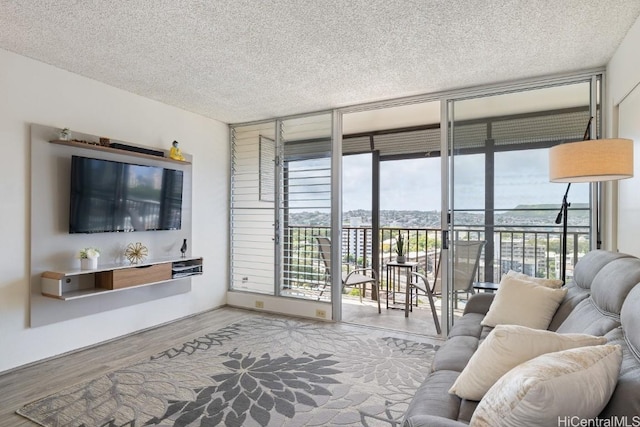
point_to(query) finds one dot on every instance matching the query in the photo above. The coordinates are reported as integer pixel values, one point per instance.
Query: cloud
(521, 177)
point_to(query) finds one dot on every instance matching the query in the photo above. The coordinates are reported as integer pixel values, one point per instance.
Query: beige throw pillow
(506, 347)
(552, 387)
(518, 302)
(549, 283)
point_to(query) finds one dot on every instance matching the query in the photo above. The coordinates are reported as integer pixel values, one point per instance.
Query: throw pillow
(506, 347)
(552, 387)
(549, 283)
(518, 302)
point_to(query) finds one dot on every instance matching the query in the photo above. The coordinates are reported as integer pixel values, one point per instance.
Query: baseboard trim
(119, 337)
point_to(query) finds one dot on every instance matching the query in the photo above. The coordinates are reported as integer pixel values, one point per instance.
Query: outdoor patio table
(485, 286)
(394, 281)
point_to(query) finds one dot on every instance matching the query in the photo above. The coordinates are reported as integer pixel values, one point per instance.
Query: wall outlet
(321, 313)
(259, 304)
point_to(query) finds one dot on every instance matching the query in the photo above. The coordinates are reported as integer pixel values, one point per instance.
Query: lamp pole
(564, 210)
(562, 217)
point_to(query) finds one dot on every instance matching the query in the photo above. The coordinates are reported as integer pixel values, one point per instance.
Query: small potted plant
(400, 249)
(89, 258)
(65, 134)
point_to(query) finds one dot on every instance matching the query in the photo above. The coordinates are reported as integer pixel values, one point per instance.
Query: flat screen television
(108, 196)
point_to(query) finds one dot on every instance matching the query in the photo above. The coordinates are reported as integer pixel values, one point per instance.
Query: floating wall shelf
(98, 147)
(74, 284)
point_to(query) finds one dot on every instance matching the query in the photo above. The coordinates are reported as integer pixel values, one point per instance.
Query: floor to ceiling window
(496, 189)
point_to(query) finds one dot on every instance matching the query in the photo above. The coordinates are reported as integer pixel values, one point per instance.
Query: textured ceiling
(242, 60)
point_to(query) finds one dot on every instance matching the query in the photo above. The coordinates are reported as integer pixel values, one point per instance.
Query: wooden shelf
(98, 147)
(75, 284)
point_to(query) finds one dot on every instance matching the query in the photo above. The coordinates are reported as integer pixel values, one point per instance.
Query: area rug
(258, 372)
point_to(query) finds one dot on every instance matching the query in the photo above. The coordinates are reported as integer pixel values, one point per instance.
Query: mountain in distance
(524, 215)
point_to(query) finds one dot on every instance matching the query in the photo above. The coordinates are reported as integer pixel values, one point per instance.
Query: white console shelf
(74, 284)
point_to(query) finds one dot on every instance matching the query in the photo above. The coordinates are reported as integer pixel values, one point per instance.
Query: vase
(401, 259)
(89, 263)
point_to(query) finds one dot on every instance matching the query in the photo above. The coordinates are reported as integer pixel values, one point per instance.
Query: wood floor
(39, 380)
(34, 382)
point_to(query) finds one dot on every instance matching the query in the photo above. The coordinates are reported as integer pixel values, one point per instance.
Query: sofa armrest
(432, 421)
(479, 303)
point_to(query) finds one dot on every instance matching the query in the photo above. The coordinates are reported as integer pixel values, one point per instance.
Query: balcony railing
(529, 249)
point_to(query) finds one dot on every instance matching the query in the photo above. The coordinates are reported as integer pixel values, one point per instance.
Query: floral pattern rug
(258, 372)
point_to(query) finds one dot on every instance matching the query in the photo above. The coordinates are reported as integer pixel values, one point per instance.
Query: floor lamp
(593, 160)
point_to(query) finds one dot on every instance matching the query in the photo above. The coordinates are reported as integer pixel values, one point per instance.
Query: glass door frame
(596, 80)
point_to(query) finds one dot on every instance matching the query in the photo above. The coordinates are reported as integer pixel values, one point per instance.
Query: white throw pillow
(518, 302)
(549, 283)
(552, 387)
(506, 347)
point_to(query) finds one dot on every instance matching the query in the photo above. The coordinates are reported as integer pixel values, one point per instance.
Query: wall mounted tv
(108, 196)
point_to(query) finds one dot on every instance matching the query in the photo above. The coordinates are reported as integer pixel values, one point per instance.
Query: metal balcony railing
(529, 249)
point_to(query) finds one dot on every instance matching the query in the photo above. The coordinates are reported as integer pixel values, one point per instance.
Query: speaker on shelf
(135, 149)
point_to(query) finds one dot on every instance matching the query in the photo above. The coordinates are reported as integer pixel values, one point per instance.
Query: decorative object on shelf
(136, 252)
(89, 258)
(175, 152)
(400, 247)
(105, 142)
(183, 249)
(65, 134)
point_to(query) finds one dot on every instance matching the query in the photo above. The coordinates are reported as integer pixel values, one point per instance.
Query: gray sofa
(603, 299)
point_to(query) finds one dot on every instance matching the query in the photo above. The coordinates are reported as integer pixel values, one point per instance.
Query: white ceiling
(243, 60)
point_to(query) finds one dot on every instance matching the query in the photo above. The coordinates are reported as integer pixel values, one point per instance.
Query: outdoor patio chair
(466, 257)
(354, 278)
(420, 282)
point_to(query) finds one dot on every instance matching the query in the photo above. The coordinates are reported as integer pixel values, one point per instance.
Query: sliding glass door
(501, 207)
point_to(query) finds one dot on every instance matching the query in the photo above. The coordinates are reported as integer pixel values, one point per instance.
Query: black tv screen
(108, 196)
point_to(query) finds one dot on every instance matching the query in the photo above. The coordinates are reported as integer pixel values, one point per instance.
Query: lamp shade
(591, 161)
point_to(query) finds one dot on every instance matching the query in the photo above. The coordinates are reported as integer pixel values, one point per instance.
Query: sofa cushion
(587, 319)
(479, 303)
(630, 319)
(519, 302)
(600, 313)
(454, 354)
(430, 398)
(468, 325)
(591, 264)
(506, 347)
(575, 295)
(613, 283)
(424, 420)
(626, 397)
(579, 288)
(576, 382)
(467, 408)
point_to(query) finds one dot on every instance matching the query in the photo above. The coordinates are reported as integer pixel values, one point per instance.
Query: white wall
(33, 92)
(629, 205)
(623, 111)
